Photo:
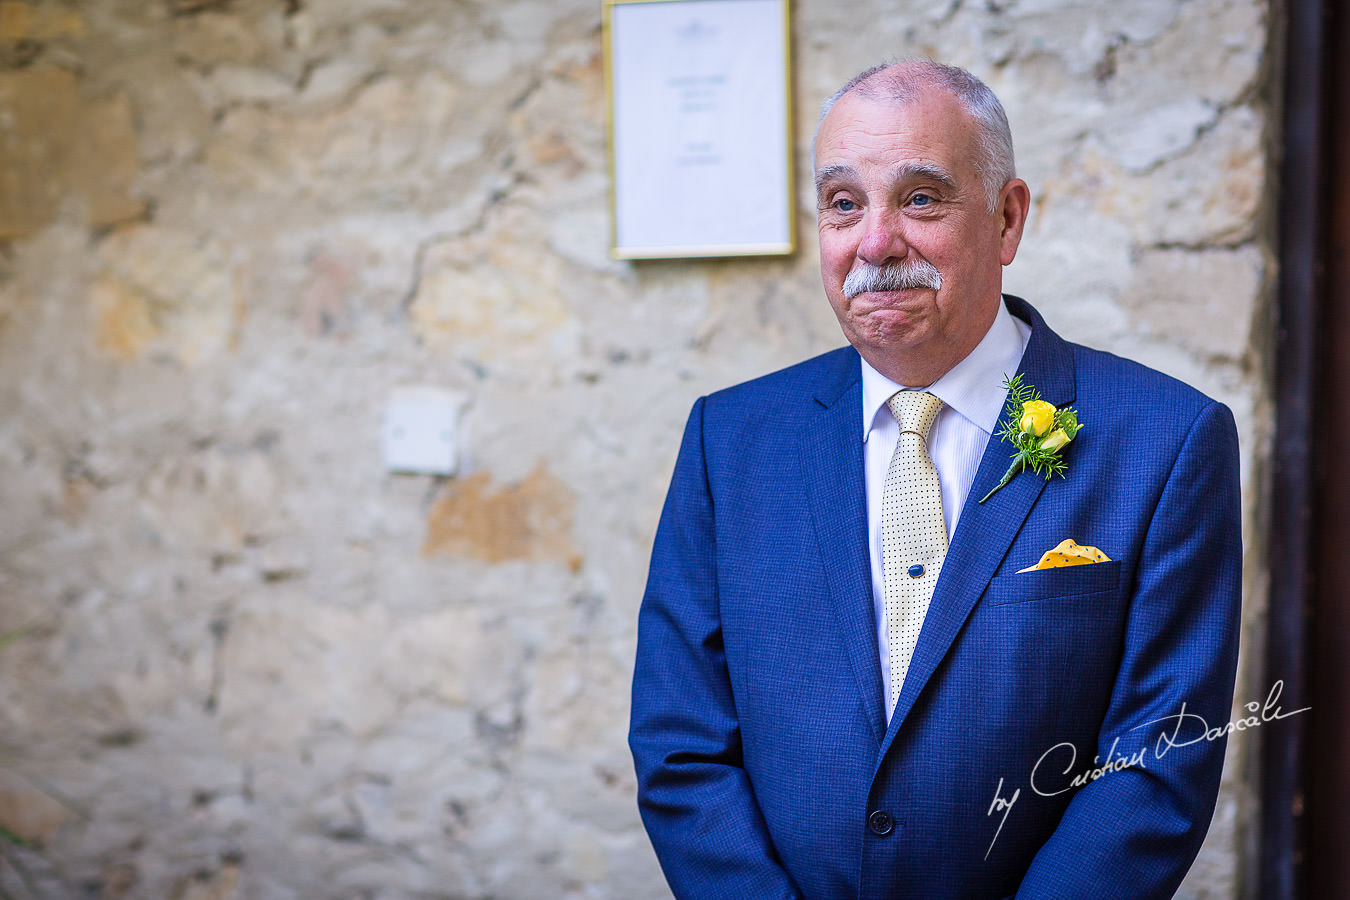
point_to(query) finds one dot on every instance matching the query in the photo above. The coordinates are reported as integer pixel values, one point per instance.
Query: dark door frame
(1326, 868)
(1305, 826)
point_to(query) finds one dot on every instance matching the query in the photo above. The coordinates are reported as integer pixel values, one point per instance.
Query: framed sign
(700, 128)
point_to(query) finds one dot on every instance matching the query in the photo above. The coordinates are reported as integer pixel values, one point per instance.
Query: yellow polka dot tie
(913, 529)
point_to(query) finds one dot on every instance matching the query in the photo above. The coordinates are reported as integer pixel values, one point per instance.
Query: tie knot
(915, 411)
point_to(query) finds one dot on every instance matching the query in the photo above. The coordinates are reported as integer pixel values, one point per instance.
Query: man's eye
(921, 200)
(843, 204)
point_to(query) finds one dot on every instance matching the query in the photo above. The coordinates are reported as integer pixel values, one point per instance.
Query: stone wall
(242, 659)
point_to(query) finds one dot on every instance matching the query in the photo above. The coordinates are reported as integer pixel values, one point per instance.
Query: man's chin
(893, 325)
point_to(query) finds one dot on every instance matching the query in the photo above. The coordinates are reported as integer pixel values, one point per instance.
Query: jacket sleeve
(1135, 831)
(695, 798)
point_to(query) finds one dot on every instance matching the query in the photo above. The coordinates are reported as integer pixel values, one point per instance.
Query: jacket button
(880, 823)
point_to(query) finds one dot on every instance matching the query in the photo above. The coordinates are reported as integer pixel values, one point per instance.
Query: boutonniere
(1037, 430)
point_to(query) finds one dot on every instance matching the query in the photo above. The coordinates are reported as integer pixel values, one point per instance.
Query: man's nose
(883, 238)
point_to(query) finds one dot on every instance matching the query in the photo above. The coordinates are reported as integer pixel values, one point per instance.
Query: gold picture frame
(700, 128)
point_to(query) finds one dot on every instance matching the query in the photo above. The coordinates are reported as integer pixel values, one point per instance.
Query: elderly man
(867, 670)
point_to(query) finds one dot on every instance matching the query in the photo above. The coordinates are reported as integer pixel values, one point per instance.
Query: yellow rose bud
(1038, 417)
(1056, 440)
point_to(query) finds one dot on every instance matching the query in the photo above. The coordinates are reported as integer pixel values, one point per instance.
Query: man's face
(897, 185)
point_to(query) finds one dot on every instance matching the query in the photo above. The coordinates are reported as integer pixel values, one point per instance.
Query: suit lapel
(831, 457)
(985, 531)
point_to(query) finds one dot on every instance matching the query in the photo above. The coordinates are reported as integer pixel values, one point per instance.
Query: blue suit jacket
(761, 745)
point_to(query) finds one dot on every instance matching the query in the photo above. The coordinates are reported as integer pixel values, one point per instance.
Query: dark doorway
(1306, 778)
(1327, 778)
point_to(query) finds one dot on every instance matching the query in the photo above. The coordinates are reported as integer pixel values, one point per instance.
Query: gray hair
(901, 82)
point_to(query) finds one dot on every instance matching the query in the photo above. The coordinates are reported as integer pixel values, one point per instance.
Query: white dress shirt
(972, 393)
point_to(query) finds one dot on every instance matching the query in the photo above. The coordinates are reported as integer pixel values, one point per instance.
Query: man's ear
(1014, 204)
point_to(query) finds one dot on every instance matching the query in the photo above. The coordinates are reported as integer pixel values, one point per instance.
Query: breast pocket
(1048, 584)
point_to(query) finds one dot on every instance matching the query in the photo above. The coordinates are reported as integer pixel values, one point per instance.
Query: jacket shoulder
(824, 377)
(1105, 378)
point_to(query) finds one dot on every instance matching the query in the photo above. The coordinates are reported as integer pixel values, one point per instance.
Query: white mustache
(901, 276)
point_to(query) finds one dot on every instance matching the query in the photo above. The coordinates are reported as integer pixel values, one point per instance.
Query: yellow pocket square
(1067, 553)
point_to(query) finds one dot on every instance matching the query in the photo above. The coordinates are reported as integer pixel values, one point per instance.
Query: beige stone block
(1074, 26)
(251, 85)
(214, 500)
(1204, 301)
(21, 21)
(39, 107)
(440, 656)
(62, 148)
(26, 811)
(1141, 141)
(11, 301)
(221, 885)
(104, 164)
(116, 881)
(293, 668)
(1214, 50)
(558, 121)
(166, 290)
(333, 79)
(290, 668)
(174, 123)
(123, 323)
(216, 37)
(1214, 192)
(578, 693)
(1210, 192)
(196, 6)
(393, 135)
(583, 857)
(492, 297)
(16, 21)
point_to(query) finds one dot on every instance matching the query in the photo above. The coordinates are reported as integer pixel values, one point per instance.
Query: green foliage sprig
(1038, 431)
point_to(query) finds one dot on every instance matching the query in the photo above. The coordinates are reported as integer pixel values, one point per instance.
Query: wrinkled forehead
(929, 124)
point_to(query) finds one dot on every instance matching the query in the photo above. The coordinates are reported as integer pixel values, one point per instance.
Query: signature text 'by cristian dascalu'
(1057, 770)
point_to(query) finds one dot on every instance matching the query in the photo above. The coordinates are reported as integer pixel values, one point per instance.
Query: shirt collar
(973, 387)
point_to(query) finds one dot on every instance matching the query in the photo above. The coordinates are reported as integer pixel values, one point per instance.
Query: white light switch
(418, 434)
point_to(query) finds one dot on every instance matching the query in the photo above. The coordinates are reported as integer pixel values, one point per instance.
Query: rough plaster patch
(530, 520)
